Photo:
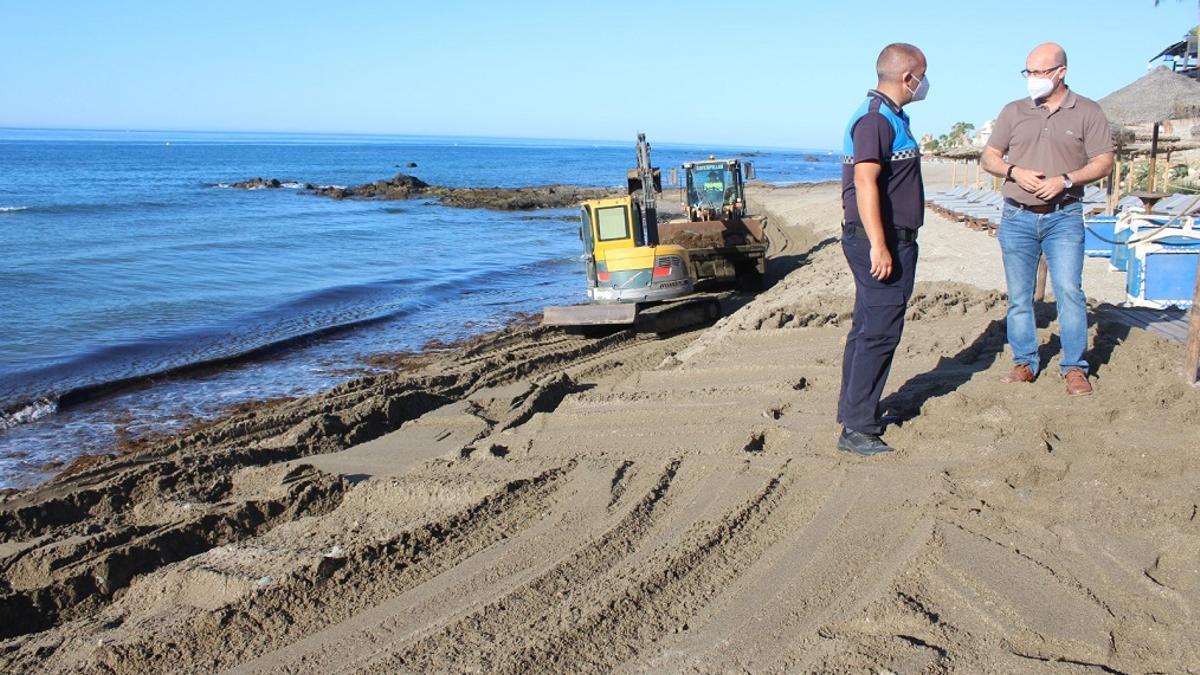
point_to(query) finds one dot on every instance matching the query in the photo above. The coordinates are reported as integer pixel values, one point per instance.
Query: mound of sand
(542, 502)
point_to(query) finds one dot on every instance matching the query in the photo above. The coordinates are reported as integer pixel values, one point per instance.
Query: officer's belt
(901, 234)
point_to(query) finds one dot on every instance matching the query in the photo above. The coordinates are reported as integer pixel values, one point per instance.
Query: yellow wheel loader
(632, 279)
(723, 241)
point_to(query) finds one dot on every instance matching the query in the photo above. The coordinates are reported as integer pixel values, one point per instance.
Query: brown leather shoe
(1077, 382)
(1019, 373)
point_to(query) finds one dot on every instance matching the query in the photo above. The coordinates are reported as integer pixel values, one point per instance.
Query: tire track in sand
(309, 598)
(577, 518)
(770, 616)
(509, 623)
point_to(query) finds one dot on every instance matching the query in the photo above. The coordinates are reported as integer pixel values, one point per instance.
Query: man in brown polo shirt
(1047, 147)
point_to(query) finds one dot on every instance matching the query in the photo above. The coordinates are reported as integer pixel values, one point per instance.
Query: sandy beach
(535, 501)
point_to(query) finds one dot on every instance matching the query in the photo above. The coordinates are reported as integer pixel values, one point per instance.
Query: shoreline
(383, 363)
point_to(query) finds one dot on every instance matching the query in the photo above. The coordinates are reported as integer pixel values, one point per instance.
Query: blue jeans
(1024, 236)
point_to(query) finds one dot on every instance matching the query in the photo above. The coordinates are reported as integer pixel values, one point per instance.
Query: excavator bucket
(633, 180)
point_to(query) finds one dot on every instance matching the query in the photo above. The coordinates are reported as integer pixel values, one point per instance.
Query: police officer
(883, 198)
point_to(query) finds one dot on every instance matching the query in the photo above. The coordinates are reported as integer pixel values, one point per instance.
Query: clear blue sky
(738, 73)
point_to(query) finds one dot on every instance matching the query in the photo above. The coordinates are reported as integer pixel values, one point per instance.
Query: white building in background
(984, 133)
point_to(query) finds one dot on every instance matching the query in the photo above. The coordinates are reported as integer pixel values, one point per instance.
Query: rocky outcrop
(521, 198)
(403, 186)
(257, 184)
(400, 186)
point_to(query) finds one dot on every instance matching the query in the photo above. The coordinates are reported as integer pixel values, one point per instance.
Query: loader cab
(714, 189)
(620, 266)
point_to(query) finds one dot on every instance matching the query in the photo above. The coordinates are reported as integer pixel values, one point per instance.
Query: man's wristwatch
(1008, 174)
(1067, 184)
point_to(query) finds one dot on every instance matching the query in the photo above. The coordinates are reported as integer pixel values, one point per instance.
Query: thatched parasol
(1144, 149)
(965, 152)
(1161, 94)
(961, 152)
(1158, 95)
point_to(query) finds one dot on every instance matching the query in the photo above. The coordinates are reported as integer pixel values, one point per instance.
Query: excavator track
(671, 317)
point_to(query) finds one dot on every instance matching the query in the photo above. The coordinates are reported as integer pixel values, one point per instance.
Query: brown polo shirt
(1053, 143)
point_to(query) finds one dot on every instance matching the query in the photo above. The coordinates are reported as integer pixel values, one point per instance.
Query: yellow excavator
(633, 279)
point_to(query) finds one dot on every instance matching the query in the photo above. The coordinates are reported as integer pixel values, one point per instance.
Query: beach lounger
(948, 194)
(952, 207)
(1129, 203)
(945, 204)
(985, 219)
(1175, 205)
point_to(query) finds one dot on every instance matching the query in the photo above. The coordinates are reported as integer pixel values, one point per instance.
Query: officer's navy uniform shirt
(879, 132)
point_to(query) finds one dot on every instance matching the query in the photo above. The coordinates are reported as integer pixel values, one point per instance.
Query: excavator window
(612, 223)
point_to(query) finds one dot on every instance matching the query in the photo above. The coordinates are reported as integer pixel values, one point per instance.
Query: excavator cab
(621, 266)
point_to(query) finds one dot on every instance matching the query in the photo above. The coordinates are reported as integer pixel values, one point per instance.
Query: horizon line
(399, 135)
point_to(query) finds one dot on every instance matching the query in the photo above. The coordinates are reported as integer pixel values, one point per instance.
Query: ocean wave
(290, 184)
(30, 412)
(91, 207)
(260, 335)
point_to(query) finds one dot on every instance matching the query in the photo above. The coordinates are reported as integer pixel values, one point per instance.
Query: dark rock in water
(810, 158)
(257, 184)
(411, 165)
(409, 181)
(752, 153)
(400, 186)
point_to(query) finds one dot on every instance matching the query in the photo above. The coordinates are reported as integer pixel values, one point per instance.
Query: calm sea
(125, 257)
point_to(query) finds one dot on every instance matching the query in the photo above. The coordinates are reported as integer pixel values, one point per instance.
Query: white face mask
(921, 91)
(1040, 87)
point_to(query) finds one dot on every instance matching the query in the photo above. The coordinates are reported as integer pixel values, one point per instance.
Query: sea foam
(30, 413)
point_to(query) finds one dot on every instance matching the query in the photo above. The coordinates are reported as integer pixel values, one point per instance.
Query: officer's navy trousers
(879, 308)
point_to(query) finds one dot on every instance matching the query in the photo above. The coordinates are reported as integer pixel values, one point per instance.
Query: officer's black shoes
(862, 444)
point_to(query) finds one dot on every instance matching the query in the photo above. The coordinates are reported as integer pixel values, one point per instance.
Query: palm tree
(958, 133)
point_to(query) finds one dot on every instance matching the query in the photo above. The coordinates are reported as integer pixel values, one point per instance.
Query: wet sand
(537, 501)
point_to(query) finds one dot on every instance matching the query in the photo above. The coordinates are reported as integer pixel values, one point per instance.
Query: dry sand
(542, 502)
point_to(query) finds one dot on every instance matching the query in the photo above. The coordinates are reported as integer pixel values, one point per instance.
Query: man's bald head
(1046, 56)
(897, 59)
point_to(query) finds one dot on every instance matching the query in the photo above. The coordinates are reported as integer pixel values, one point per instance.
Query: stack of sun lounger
(1095, 199)
(1129, 202)
(1175, 205)
(979, 209)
